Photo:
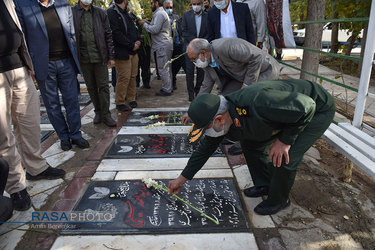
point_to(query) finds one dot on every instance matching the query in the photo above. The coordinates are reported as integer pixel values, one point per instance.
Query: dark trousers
(114, 77)
(177, 64)
(96, 79)
(6, 207)
(144, 54)
(281, 179)
(190, 77)
(62, 76)
(156, 65)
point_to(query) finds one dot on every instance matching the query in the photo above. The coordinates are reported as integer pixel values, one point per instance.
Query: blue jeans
(62, 76)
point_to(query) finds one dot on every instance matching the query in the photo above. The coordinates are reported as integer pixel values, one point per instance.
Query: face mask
(169, 11)
(220, 4)
(211, 132)
(86, 2)
(200, 64)
(197, 8)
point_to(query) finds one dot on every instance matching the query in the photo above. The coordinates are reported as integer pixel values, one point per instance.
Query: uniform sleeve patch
(242, 111)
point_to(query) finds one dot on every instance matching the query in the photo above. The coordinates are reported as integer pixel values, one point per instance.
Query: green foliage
(298, 11)
(100, 3)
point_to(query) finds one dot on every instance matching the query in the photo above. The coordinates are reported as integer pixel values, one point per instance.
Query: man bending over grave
(278, 121)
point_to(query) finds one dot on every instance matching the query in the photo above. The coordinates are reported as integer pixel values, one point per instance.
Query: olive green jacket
(265, 111)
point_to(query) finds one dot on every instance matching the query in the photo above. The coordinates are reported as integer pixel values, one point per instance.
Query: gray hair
(201, 1)
(223, 106)
(199, 44)
(167, 1)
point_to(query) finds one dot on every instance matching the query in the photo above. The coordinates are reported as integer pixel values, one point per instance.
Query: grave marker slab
(138, 118)
(152, 146)
(139, 210)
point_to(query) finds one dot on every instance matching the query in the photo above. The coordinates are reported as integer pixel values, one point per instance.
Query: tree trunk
(313, 38)
(363, 45)
(351, 41)
(335, 31)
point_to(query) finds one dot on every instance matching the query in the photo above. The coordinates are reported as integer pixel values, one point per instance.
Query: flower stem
(166, 190)
(173, 59)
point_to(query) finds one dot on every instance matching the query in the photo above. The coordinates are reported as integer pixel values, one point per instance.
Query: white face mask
(200, 64)
(86, 2)
(197, 8)
(211, 132)
(220, 4)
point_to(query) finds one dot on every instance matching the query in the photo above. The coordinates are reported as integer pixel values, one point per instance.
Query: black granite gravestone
(138, 118)
(44, 134)
(139, 210)
(153, 146)
(84, 100)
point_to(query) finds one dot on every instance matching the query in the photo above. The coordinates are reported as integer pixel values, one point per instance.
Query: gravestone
(138, 118)
(84, 100)
(44, 134)
(139, 210)
(153, 146)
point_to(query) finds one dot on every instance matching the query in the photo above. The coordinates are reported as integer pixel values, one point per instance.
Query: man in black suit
(230, 19)
(194, 25)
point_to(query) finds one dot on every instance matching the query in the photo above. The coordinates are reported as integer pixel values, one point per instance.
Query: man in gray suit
(231, 63)
(194, 24)
(236, 62)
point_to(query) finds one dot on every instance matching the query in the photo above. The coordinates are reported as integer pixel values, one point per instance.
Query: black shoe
(122, 107)
(174, 87)
(158, 77)
(21, 200)
(50, 173)
(235, 150)
(6, 208)
(109, 121)
(264, 209)
(162, 93)
(191, 98)
(97, 118)
(66, 145)
(133, 104)
(278, 57)
(147, 86)
(81, 143)
(256, 191)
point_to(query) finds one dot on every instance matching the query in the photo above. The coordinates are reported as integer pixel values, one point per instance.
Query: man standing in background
(49, 31)
(194, 25)
(258, 17)
(126, 39)
(162, 44)
(95, 53)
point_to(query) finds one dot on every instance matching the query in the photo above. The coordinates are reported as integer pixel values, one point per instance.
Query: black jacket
(102, 31)
(242, 19)
(124, 31)
(189, 30)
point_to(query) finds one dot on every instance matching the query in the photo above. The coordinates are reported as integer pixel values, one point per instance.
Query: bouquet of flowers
(135, 8)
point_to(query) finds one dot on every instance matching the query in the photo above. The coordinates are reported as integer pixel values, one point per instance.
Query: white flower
(149, 182)
(151, 117)
(158, 124)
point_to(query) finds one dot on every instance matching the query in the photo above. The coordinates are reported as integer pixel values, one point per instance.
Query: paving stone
(243, 176)
(229, 241)
(259, 221)
(10, 240)
(19, 217)
(54, 149)
(314, 153)
(137, 175)
(64, 205)
(295, 212)
(157, 164)
(40, 199)
(154, 130)
(75, 188)
(59, 158)
(103, 176)
(40, 186)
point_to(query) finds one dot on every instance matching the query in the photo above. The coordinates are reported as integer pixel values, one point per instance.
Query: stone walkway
(83, 166)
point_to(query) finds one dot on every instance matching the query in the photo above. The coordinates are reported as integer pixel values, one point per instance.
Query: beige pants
(19, 104)
(127, 71)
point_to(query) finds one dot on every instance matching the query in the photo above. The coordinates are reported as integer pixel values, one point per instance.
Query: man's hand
(185, 119)
(142, 22)
(136, 46)
(111, 63)
(175, 185)
(277, 151)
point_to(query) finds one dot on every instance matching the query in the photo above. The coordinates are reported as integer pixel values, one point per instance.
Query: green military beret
(202, 111)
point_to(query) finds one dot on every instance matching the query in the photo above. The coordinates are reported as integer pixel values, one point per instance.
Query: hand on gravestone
(185, 119)
(175, 185)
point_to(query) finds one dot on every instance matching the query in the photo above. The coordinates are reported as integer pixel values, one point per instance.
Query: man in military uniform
(278, 120)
